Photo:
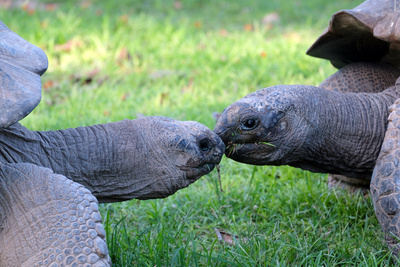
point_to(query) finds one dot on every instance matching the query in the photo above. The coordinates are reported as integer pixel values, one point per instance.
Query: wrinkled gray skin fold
(348, 126)
(307, 127)
(51, 182)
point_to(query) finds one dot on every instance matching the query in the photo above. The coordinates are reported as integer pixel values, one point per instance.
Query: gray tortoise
(49, 181)
(348, 126)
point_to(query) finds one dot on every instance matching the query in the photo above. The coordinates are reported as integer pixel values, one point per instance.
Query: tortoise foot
(385, 189)
(352, 185)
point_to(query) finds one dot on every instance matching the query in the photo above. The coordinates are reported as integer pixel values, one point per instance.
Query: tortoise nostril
(205, 145)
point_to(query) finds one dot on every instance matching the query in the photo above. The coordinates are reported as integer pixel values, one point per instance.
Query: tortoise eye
(249, 123)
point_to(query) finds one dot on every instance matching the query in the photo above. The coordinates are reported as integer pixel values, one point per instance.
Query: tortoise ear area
(271, 118)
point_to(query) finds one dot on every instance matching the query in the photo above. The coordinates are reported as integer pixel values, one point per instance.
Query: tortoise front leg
(48, 220)
(352, 185)
(385, 183)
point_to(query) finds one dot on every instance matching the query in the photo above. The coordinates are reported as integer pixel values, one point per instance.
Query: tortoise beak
(224, 130)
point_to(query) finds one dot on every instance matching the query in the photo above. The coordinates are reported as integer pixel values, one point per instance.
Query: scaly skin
(48, 219)
(369, 33)
(362, 129)
(47, 216)
(307, 127)
(144, 158)
(360, 77)
(385, 182)
(49, 182)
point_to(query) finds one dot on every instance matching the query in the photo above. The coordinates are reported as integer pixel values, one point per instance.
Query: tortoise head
(265, 127)
(21, 65)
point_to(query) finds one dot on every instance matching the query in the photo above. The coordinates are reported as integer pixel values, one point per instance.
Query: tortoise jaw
(195, 169)
(242, 150)
(258, 153)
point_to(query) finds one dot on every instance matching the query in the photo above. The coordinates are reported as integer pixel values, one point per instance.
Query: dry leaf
(44, 24)
(30, 6)
(124, 55)
(93, 72)
(125, 96)
(68, 45)
(189, 86)
(263, 54)
(123, 18)
(248, 27)
(6, 4)
(48, 85)
(223, 32)
(178, 5)
(164, 97)
(224, 237)
(88, 78)
(31, 12)
(25, 6)
(50, 7)
(86, 4)
(227, 238)
(270, 19)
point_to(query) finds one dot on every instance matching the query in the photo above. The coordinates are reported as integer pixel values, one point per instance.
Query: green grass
(187, 63)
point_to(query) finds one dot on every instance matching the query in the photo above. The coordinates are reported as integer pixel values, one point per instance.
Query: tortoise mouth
(255, 153)
(194, 173)
(207, 168)
(194, 169)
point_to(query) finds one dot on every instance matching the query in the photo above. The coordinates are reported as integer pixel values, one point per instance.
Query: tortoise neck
(99, 157)
(348, 133)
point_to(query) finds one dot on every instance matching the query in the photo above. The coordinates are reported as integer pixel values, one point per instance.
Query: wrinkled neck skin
(345, 134)
(100, 157)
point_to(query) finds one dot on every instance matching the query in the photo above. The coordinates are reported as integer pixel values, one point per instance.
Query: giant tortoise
(348, 126)
(49, 181)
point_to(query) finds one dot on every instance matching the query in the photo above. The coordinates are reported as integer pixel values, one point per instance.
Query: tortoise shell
(21, 65)
(368, 33)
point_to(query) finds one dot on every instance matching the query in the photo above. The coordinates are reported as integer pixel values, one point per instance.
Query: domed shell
(21, 65)
(368, 33)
